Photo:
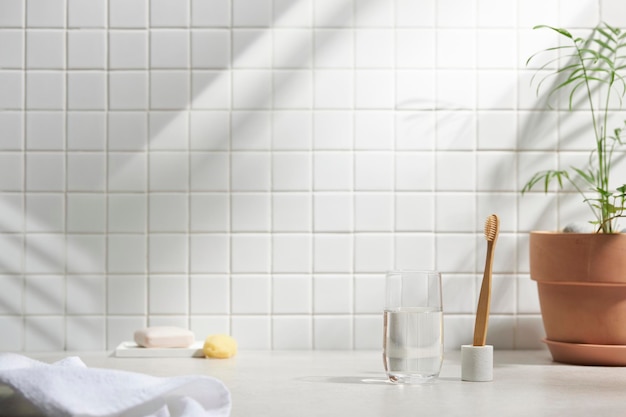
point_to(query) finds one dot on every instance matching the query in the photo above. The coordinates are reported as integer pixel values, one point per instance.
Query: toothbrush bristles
(491, 228)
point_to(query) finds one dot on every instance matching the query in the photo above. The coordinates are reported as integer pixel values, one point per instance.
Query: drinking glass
(413, 326)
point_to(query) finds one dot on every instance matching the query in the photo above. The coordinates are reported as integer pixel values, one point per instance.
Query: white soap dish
(133, 350)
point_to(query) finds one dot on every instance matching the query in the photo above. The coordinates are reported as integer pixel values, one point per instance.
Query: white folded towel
(69, 388)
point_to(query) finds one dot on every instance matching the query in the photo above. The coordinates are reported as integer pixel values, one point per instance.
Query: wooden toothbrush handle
(484, 301)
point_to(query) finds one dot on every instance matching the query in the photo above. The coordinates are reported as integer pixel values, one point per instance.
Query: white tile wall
(254, 166)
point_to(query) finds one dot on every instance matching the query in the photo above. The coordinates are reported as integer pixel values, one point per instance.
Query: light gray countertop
(352, 383)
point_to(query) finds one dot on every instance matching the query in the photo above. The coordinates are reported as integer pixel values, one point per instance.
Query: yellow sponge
(219, 346)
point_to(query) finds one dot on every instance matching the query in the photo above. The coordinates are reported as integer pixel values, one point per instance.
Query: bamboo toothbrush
(492, 227)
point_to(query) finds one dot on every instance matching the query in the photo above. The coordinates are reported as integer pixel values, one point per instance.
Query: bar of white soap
(164, 337)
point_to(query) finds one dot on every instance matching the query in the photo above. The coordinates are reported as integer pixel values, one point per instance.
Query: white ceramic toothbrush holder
(477, 363)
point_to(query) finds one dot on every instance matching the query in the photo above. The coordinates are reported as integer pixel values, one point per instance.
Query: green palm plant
(590, 69)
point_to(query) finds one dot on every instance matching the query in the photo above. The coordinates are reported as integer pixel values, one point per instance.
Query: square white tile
(291, 253)
(209, 294)
(373, 171)
(369, 293)
(44, 294)
(330, 13)
(333, 171)
(374, 14)
(12, 254)
(86, 171)
(44, 334)
(169, 13)
(45, 49)
(128, 90)
(86, 49)
(12, 205)
(85, 333)
(333, 130)
(11, 82)
(13, 13)
(252, 48)
(374, 130)
(332, 294)
(169, 171)
(250, 253)
(333, 212)
(86, 254)
(374, 48)
(332, 332)
(209, 171)
(334, 89)
(210, 253)
(87, 14)
(45, 90)
(373, 252)
(292, 130)
(42, 13)
(334, 48)
(286, 13)
(406, 41)
(44, 171)
(292, 48)
(292, 294)
(169, 48)
(169, 212)
(85, 294)
(251, 130)
(250, 212)
(414, 251)
(209, 212)
(217, 41)
(373, 212)
(210, 13)
(169, 89)
(126, 253)
(13, 125)
(252, 332)
(292, 333)
(127, 213)
(250, 171)
(126, 294)
(252, 89)
(291, 171)
(86, 212)
(209, 130)
(374, 89)
(128, 13)
(12, 170)
(168, 294)
(127, 131)
(168, 253)
(169, 130)
(251, 13)
(292, 89)
(45, 212)
(12, 290)
(415, 171)
(332, 253)
(128, 49)
(250, 294)
(210, 90)
(291, 212)
(86, 131)
(45, 131)
(367, 332)
(86, 91)
(127, 171)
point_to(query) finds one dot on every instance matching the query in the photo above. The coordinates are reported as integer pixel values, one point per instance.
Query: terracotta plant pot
(581, 279)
